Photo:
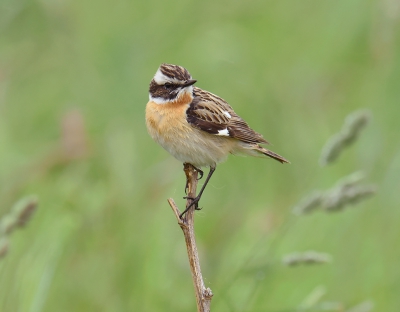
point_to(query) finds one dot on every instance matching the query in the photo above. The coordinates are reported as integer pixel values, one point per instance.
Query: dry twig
(203, 294)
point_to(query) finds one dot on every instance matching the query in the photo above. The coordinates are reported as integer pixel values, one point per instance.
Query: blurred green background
(74, 81)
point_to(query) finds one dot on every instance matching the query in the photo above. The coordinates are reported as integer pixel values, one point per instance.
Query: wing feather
(208, 112)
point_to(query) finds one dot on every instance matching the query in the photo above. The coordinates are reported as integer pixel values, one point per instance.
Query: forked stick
(203, 294)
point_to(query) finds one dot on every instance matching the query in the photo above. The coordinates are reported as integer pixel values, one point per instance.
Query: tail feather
(256, 150)
(271, 154)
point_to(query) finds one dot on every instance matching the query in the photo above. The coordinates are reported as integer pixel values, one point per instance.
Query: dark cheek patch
(158, 91)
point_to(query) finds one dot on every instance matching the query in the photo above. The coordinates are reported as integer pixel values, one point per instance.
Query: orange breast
(166, 118)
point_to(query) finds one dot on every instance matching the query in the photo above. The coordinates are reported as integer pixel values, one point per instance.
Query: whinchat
(196, 126)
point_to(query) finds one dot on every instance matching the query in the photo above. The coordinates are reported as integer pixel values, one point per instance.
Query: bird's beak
(189, 82)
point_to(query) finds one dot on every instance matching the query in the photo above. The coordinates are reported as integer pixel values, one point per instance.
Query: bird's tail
(258, 151)
(272, 155)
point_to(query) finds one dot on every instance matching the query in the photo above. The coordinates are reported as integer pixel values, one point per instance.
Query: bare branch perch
(203, 294)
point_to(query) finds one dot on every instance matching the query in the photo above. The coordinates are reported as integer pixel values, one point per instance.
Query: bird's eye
(168, 85)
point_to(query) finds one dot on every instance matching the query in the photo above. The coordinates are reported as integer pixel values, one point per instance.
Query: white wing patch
(227, 114)
(223, 132)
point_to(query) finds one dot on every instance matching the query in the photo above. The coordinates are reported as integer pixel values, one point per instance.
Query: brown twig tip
(307, 257)
(349, 133)
(176, 211)
(208, 293)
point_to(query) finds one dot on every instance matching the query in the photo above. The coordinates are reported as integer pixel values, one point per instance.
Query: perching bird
(196, 126)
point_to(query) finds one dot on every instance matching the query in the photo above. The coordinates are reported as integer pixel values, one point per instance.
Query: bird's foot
(201, 173)
(195, 203)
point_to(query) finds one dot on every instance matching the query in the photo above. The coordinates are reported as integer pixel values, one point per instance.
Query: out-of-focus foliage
(73, 88)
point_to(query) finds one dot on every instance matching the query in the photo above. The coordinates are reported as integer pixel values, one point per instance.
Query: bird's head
(170, 83)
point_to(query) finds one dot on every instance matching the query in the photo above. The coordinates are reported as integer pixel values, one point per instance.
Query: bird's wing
(212, 114)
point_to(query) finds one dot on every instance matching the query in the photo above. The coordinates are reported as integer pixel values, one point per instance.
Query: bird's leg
(197, 198)
(201, 176)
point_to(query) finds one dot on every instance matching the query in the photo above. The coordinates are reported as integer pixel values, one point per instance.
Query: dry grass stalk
(365, 306)
(24, 211)
(74, 135)
(4, 245)
(203, 294)
(7, 224)
(313, 298)
(349, 133)
(310, 203)
(347, 191)
(19, 215)
(307, 257)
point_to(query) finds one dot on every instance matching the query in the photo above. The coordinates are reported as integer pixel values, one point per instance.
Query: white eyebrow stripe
(223, 132)
(227, 114)
(161, 79)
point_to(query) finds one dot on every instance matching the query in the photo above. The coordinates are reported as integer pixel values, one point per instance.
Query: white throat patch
(158, 100)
